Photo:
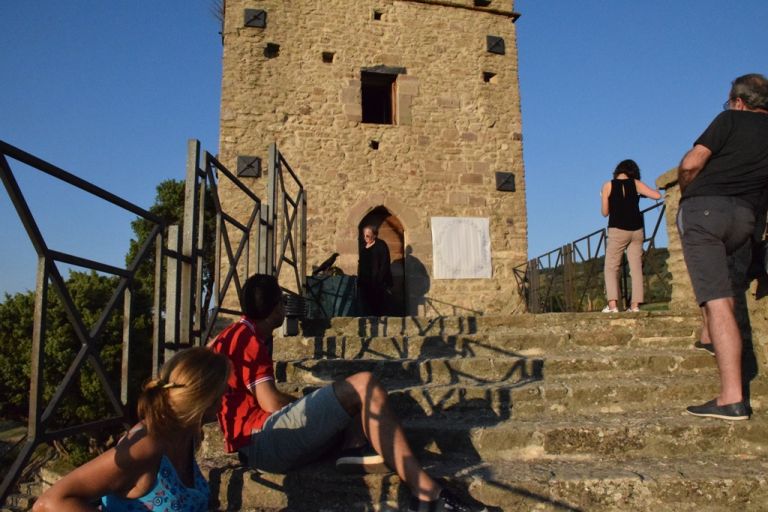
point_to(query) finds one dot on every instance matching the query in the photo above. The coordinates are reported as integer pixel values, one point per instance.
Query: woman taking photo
(153, 466)
(620, 203)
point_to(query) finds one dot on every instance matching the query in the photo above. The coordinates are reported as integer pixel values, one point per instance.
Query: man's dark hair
(752, 89)
(261, 294)
(628, 167)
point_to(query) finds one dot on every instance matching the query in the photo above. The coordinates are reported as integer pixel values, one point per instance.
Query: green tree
(85, 400)
(90, 292)
(169, 206)
(16, 316)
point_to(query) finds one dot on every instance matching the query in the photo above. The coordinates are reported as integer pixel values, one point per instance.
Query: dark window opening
(378, 94)
(328, 57)
(272, 50)
(374, 144)
(377, 15)
(489, 77)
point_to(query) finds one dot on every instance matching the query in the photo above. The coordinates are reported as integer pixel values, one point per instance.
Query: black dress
(374, 279)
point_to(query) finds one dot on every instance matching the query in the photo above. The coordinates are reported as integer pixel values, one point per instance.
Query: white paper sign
(461, 248)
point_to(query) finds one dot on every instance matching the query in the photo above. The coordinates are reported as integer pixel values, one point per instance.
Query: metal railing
(195, 268)
(41, 414)
(288, 195)
(570, 278)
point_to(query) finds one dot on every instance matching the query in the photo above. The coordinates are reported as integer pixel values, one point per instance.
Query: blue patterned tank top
(168, 494)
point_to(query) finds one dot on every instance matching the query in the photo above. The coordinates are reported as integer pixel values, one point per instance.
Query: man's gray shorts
(711, 228)
(297, 434)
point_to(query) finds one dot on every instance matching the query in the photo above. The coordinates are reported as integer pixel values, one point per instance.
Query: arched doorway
(390, 231)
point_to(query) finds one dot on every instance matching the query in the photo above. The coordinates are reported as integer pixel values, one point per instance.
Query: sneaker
(633, 310)
(608, 309)
(445, 503)
(735, 411)
(361, 460)
(706, 347)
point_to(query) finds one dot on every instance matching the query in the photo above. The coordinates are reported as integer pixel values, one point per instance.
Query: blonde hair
(187, 386)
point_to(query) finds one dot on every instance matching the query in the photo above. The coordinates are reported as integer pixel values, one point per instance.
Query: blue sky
(602, 81)
(111, 91)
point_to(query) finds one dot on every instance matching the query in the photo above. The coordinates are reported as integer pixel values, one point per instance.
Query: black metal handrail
(569, 278)
(41, 415)
(288, 195)
(186, 314)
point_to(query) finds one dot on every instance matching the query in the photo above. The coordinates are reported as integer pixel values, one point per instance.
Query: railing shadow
(439, 398)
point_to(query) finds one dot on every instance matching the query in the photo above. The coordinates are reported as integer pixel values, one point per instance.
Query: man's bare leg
(704, 337)
(725, 334)
(361, 394)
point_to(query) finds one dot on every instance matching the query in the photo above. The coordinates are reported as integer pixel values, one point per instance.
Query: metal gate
(188, 294)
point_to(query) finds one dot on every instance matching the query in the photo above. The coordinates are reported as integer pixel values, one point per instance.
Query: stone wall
(682, 291)
(457, 122)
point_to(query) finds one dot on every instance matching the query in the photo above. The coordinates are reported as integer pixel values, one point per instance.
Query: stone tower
(400, 113)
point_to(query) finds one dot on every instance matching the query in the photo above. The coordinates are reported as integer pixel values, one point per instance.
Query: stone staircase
(561, 412)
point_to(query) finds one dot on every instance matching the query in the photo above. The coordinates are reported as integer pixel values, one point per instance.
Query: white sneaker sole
(360, 465)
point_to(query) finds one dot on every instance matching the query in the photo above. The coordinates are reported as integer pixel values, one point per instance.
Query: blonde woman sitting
(153, 466)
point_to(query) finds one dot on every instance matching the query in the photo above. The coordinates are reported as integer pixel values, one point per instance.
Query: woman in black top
(374, 275)
(620, 202)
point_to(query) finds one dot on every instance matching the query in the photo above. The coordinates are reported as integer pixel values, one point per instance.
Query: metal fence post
(126, 362)
(568, 277)
(157, 317)
(172, 293)
(534, 301)
(623, 287)
(303, 243)
(189, 226)
(271, 210)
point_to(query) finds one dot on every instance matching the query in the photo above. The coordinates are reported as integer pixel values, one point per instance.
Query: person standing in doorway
(620, 203)
(374, 275)
(723, 181)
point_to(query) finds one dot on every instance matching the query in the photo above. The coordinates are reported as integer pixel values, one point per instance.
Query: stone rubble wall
(455, 127)
(683, 298)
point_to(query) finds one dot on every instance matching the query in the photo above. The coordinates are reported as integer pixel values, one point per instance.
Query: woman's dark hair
(628, 167)
(261, 294)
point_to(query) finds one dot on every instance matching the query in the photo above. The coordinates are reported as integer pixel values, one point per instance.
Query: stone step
(667, 432)
(494, 433)
(656, 321)
(585, 484)
(483, 345)
(571, 397)
(511, 369)
(545, 412)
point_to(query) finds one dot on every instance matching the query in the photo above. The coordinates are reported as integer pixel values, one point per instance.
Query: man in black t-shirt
(723, 179)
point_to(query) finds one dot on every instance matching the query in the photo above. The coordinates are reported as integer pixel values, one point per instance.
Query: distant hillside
(587, 284)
